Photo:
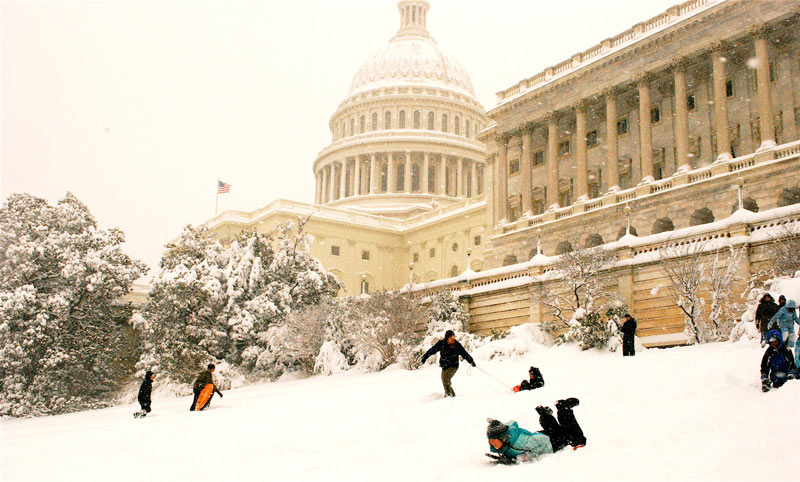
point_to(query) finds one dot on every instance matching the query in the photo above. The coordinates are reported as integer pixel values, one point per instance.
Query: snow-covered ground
(694, 413)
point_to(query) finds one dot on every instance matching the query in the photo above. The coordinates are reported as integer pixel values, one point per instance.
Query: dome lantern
(413, 14)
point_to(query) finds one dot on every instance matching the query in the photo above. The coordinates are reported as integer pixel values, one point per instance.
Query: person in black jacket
(777, 364)
(536, 380)
(204, 379)
(450, 350)
(628, 333)
(766, 309)
(144, 394)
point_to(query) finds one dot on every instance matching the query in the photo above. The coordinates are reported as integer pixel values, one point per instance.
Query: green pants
(447, 376)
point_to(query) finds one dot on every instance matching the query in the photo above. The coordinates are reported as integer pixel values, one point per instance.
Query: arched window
(701, 216)
(384, 177)
(352, 127)
(454, 271)
(415, 177)
(509, 260)
(466, 127)
(374, 121)
(622, 231)
(417, 119)
(400, 178)
(563, 247)
(456, 126)
(363, 124)
(748, 203)
(431, 178)
(594, 240)
(662, 225)
(431, 119)
(401, 120)
(444, 122)
(387, 120)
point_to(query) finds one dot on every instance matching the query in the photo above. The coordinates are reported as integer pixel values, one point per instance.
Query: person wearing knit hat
(144, 394)
(449, 352)
(515, 444)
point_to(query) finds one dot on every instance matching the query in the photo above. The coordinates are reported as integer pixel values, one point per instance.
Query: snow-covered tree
(784, 251)
(446, 312)
(691, 271)
(62, 320)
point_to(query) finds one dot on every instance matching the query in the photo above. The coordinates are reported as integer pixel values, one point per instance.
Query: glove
(473, 364)
(220, 395)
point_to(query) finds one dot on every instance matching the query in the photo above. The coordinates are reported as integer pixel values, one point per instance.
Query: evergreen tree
(61, 318)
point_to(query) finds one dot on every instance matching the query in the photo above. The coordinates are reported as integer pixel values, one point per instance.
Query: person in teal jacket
(515, 444)
(784, 320)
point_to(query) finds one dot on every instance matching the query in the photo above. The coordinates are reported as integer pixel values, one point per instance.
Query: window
(565, 198)
(454, 247)
(431, 118)
(416, 119)
(563, 148)
(538, 206)
(772, 72)
(363, 124)
(432, 253)
(444, 122)
(513, 213)
(374, 121)
(364, 286)
(335, 250)
(729, 88)
(456, 126)
(415, 177)
(352, 127)
(625, 181)
(416, 257)
(690, 104)
(622, 126)
(466, 127)
(454, 271)
(513, 166)
(365, 255)
(476, 241)
(658, 171)
(400, 176)
(401, 120)
(387, 120)
(591, 138)
(594, 190)
(655, 115)
(538, 158)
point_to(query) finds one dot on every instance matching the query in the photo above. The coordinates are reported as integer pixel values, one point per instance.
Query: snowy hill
(694, 413)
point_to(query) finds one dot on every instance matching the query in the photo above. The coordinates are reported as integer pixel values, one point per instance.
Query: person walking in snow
(145, 391)
(204, 379)
(777, 364)
(450, 350)
(628, 336)
(784, 320)
(535, 380)
(515, 444)
(765, 311)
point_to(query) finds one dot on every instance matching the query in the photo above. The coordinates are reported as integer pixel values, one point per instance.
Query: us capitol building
(664, 125)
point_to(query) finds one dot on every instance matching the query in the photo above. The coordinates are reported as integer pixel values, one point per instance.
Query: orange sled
(204, 397)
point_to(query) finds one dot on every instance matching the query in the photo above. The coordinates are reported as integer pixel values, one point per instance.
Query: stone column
(612, 153)
(407, 172)
(526, 158)
(491, 208)
(502, 178)
(423, 187)
(681, 116)
(441, 175)
(645, 129)
(460, 191)
(474, 184)
(552, 161)
(331, 181)
(764, 98)
(581, 169)
(343, 179)
(374, 178)
(357, 176)
(720, 102)
(391, 182)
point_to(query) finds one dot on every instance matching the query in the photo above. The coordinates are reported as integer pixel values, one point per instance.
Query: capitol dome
(405, 136)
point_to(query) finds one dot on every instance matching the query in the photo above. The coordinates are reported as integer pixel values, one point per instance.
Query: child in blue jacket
(515, 444)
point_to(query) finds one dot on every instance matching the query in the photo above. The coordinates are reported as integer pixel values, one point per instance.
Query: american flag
(223, 187)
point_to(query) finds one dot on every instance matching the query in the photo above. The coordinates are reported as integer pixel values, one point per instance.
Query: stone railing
(675, 14)
(677, 181)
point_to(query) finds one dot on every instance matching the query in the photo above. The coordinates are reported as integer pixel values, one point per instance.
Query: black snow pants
(196, 394)
(563, 432)
(628, 347)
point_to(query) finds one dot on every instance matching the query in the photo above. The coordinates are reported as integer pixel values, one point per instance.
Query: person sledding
(511, 444)
(449, 351)
(145, 390)
(202, 383)
(535, 380)
(777, 364)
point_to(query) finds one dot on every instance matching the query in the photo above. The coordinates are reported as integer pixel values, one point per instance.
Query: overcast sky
(139, 107)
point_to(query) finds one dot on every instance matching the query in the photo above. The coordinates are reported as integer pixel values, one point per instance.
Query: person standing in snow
(784, 320)
(450, 351)
(204, 379)
(515, 444)
(536, 380)
(145, 391)
(766, 309)
(628, 336)
(777, 364)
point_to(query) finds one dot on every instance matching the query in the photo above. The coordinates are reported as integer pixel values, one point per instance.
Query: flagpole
(216, 205)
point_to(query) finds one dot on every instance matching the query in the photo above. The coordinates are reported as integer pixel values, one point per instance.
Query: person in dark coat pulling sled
(449, 352)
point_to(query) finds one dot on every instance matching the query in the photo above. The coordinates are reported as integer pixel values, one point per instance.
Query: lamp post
(469, 253)
(538, 241)
(627, 210)
(739, 183)
(410, 274)
(363, 283)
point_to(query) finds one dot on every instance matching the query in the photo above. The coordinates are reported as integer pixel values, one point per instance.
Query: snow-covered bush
(62, 324)
(445, 312)
(590, 329)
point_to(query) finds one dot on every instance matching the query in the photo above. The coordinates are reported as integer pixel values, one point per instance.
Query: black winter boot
(544, 410)
(567, 403)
